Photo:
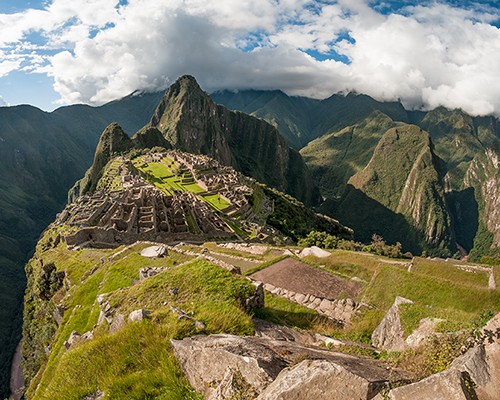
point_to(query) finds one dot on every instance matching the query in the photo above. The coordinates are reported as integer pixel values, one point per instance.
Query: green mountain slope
(483, 180)
(402, 191)
(41, 156)
(333, 158)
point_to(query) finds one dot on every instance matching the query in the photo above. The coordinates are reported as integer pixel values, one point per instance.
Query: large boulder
(389, 335)
(205, 360)
(319, 380)
(447, 385)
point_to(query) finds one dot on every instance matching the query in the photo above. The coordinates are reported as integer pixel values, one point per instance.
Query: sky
(423, 53)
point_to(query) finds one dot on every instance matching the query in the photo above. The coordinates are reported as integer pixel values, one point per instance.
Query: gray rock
(447, 385)
(138, 315)
(199, 325)
(58, 314)
(74, 335)
(118, 323)
(300, 298)
(325, 305)
(205, 360)
(99, 395)
(389, 334)
(226, 389)
(318, 380)
(426, 328)
(257, 300)
(154, 252)
(268, 330)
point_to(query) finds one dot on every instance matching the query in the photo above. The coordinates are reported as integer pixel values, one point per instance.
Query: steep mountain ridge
(404, 175)
(191, 121)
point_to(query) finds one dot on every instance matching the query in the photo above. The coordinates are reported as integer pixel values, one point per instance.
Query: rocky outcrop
(319, 380)
(205, 361)
(427, 328)
(389, 334)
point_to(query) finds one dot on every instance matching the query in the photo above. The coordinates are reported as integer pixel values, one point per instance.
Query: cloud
(3, 103)
(426, 54)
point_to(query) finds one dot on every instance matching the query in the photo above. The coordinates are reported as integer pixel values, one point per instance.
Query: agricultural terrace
(169, 175)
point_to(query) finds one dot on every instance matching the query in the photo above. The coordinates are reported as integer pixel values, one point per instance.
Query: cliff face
(483, 175)
(404, 175)
(190, 121)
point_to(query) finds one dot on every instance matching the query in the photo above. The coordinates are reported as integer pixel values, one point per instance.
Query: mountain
(480, 195)
(192, 122)
(334, 157)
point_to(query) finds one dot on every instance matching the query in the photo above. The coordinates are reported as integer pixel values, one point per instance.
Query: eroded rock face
(318, 380)
(389, 334)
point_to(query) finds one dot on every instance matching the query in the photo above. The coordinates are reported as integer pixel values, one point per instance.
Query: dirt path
(298, 277)
(16, 375)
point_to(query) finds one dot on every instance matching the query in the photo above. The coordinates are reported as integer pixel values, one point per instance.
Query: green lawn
(216, 201)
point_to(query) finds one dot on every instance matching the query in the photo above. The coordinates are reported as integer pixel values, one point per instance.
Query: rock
(74, 335)
(482, 363)
(491, 331)
(299, 298)
(138, 315)
(325, 305)
(199, 325)
(389, 334)
(147, 272)
(99, 395)
(180, 313)
(88, 335)
(427, 328)
(102, 318)
(314, 251)
(318, 380)
(205, 360)
(268, 330)
(447, 385)
(118, 323)
(269, 287)
(174, 291)
(226, 389)
(257, 300)
(154, 252)
(58, 314)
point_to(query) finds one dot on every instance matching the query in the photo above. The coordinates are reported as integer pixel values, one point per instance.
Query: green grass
(411, 314)
(129, 363)
(216, 201)
(390, 282)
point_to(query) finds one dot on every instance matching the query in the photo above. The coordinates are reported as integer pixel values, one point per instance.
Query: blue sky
(58, 52)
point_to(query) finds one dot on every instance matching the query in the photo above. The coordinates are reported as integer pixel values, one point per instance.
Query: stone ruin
(140, 213)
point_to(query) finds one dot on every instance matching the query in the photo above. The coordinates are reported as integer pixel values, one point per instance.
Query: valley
(233, 212)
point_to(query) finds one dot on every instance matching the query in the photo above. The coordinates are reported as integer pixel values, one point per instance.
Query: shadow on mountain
(367, 216)
(464, 210)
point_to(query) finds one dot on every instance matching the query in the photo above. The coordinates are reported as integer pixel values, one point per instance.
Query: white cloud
(427, 55)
